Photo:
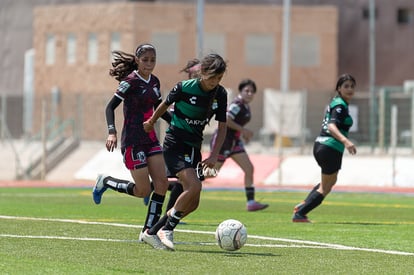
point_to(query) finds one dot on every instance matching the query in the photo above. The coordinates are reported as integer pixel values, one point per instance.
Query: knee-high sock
(176, 191)
(122, 186)
(154, 229)
(316, 187)
(154, 210)
(311, 203)
(173, 220)
(249, 193)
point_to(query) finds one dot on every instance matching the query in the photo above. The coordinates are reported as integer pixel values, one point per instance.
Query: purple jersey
(240, 113)
(139, 97)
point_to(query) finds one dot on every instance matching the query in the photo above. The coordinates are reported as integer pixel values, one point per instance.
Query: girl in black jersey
(329, 146)
(139, 90)
(238, 115)
(196, 101)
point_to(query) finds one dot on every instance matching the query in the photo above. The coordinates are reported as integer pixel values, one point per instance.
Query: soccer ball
(231, 235)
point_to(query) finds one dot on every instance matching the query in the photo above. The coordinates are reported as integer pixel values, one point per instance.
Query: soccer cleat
(296, 209)
(300, 218)
(140, 240)
(166, 237)
(152, 240)
(255, 206)
(99, 188)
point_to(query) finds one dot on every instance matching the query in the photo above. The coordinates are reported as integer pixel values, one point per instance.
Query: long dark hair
(124, 63)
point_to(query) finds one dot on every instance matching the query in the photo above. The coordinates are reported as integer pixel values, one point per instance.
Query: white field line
(294, 243)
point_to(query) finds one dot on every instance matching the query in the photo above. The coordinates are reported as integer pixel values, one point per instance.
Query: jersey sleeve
(338, 114)
(174, 94)
(233, 110)
(221, 113)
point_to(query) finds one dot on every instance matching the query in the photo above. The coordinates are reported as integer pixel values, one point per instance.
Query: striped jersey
(193, 109)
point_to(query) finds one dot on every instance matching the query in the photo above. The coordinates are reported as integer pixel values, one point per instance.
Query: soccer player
(238, 115)
(330, 145)
(196, 101)
(139, 90)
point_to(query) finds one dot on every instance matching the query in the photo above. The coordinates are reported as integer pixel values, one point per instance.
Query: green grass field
(61, 231)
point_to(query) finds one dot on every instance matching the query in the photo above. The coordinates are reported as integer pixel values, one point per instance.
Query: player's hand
(148, 126)
(111, 142)
(350, 147)
(247, 135)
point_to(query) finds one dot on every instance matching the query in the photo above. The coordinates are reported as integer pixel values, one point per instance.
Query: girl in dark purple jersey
(238, 115)
(139, 90)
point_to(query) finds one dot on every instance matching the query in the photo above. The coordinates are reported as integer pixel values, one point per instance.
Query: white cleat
(166, 237)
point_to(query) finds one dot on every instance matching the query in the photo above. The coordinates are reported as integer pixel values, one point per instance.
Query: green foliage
(61, 231)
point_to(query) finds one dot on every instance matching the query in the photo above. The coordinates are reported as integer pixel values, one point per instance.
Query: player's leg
(160, 183)
(330, 161)
(139, 172)
(243, 161)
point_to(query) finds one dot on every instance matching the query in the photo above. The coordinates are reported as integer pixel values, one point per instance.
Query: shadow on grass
(237, 253)
(362, 223)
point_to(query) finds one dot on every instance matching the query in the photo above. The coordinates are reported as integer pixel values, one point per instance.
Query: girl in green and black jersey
(330, 145)
(195, 101)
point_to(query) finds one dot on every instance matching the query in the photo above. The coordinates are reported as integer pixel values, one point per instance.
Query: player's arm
(167, 115)
(111, 141)
(334, 131)
(246, 133)
(161, 109)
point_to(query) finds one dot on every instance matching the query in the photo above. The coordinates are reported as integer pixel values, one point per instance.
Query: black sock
(316, 187)
(249, 193)
(154, 210)
(122, 186)
(314, 200)
(176, 191)
(173, 220)
(154, 229)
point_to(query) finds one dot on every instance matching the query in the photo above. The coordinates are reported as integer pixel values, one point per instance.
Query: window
(50, 49)
(92, 48)
(365, 13)
(404, 16)
(71, 48)
(115, 43)
(260, 49)
(167, 47)
(305, 50)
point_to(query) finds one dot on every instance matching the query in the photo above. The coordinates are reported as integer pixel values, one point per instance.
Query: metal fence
(87, 111)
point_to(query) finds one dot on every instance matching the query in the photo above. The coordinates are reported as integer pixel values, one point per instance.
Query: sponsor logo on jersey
(193, 100)
(196, 122)
(214, 106)
(187, 158)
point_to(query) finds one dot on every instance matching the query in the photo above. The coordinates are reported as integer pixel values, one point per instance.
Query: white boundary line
(294, 243)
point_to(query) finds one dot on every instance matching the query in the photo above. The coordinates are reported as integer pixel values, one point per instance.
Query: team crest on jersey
(123, 86)
(187, 158)
(214, 106)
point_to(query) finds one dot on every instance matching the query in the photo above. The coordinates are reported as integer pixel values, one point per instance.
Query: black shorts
(179, 156)
(329, 159)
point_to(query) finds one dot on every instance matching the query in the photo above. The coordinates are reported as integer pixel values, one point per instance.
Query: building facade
(73, 43)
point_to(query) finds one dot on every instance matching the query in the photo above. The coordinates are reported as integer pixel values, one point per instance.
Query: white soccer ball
(231, 235)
